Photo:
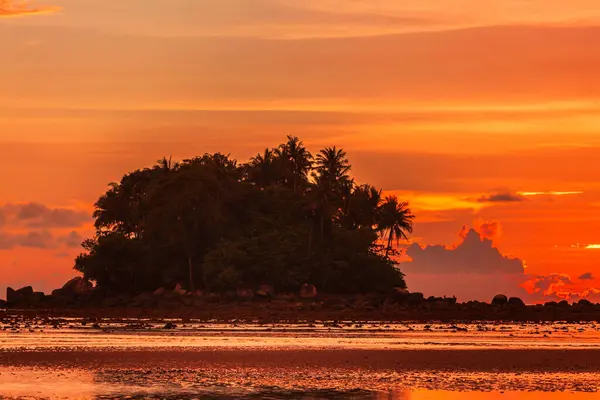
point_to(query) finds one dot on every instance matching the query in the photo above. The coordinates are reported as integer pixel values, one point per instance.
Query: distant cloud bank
(475, 269)
(11, 8)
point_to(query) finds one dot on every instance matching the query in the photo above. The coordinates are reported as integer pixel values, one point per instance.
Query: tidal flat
(77, 358)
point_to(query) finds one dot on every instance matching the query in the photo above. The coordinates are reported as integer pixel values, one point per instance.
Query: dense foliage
(285, 218)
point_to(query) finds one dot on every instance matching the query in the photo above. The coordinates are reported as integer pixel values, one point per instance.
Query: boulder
(144, 300)
(516, 302)
(23, 296)
(179, 290)
(500, 300)
(450, 300)
(37, 298)
(63, 296)
(11, 296)
(308, 291)
(265, 291)
(584, 303)
(398, 295)
(564, 304)
(78, 285)
(415, 298)
(245, 294)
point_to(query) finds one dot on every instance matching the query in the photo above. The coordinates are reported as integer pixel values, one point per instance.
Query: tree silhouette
(395, 221)
(211, 223)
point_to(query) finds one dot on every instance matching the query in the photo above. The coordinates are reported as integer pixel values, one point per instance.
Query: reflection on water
(74, 333)
(275, 380)
(38, 383)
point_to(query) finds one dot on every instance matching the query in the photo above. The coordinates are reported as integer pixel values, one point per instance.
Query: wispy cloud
(12, 8)
(505, 197)
(548, 193)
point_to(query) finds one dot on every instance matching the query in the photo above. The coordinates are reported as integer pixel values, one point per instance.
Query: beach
(199, 359)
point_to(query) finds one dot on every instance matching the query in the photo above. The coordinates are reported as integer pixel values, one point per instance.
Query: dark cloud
(473, 270)
(475, 254)
(73, 239)
(39, 239)
(35, 239)
(506, 197)
(36, 215)
(550, 284)
(586, 277)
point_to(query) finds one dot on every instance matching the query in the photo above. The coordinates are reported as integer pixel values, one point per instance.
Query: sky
(483, 115)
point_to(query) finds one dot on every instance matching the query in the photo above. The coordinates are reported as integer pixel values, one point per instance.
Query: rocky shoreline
(77, 298)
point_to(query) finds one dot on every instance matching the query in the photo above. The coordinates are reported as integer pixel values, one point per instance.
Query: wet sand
(488, 360)
(54, 358)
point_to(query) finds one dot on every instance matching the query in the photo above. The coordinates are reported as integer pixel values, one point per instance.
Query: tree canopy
(285, 218)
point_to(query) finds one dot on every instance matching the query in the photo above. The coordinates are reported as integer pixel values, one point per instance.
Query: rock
(23, 296)
(116, 301)
(516, 302)
(308, 291)
(159, 292)
(2, 303)
(62, 297)
(564, 304)
(415, 298)
(179, 290)
(144, 299)
(78, 285)
(450, 300)
(584, 303)
(499, 300)
(245, 294)
(37, 298)
(170, 325)
(11, 296)
(265, 291)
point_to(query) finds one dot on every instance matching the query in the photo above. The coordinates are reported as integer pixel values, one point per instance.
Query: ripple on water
(288, 383)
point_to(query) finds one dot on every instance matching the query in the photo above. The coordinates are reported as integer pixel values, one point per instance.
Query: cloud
(34, 239)
(36, 215)
(476, 254)
(474, 269)
(11, 8)
(505, 197)
(550, 193)
(586, 277)
(549, 284)
(39, 239)
(73, 239)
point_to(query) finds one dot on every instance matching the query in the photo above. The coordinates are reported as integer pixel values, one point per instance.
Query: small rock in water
(170, 325)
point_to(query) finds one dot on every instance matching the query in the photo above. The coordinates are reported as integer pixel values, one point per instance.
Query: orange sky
(445, 102)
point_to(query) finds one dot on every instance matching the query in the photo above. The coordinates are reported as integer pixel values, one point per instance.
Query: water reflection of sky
(38, 383)
(137, 379)
(108, 334)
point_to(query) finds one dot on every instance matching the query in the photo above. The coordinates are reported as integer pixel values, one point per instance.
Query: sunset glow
(485, 112)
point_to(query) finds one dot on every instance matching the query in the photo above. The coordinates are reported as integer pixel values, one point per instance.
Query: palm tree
(395, 221)
(166, 164)
(263, 169)
(332, 167)
(297, 162)
(362, 207)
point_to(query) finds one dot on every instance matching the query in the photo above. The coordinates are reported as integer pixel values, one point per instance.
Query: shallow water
(41, 383)
(127, 338)
(74, 333)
